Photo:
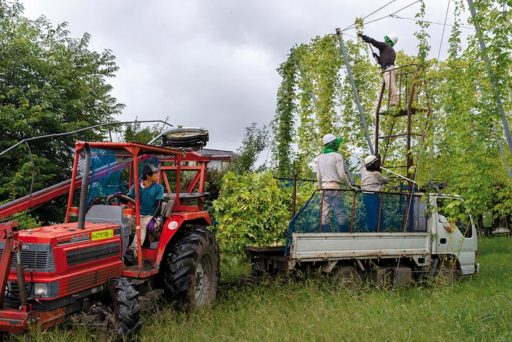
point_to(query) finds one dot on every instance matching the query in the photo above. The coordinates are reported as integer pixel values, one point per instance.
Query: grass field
(474, 309)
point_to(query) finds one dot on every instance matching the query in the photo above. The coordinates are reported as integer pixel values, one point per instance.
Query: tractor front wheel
(126, 308)
(191, 275)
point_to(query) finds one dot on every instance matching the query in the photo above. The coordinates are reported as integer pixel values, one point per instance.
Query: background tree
(254, 142)
(49, 83)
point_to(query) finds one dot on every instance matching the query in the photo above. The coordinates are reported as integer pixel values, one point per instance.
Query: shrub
(252, 210)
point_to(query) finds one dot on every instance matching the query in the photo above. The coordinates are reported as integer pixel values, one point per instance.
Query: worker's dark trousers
(371, 202)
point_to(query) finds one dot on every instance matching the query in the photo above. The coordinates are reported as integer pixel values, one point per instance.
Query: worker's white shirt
(372, 180)
(330, 168)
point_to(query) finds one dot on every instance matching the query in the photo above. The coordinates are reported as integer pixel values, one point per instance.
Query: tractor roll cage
(168, 159)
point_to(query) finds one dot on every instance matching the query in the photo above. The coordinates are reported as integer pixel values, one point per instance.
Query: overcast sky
(213, 63)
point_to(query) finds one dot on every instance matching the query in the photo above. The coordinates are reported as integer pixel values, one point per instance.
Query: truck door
(455, 232)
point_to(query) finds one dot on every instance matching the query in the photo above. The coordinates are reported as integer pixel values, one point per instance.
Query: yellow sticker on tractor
(102, 234)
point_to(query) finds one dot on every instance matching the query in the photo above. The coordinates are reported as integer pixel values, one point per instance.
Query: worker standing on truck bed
(151, 196)
(387, 63)
(372, 181)
(330, 174)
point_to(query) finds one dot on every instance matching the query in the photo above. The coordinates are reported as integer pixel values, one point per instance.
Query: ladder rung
(395, 167)
(401, 112)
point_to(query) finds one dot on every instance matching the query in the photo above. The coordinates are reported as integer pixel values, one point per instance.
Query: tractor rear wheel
(126, 308)
(191, 275)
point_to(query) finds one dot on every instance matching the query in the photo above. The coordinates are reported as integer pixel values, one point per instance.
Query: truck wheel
(448, 272)
(126, 308)
(191, 276)
(348, 277)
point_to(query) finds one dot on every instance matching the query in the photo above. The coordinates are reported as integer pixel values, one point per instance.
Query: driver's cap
(149, 169)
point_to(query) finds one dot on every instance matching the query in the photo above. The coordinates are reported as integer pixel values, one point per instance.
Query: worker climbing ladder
(412, 99)
(400, 128)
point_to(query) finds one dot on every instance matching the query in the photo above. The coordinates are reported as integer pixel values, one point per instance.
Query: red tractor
(51, 272)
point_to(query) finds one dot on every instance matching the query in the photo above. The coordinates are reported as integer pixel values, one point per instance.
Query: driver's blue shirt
(149, 197)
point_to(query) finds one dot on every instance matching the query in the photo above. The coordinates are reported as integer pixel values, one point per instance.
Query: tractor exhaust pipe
(84, 190)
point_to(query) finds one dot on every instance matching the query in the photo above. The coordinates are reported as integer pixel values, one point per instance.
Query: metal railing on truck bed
(351, 212)
(378, 224)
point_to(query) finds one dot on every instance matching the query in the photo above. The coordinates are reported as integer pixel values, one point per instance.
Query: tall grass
(475, 309)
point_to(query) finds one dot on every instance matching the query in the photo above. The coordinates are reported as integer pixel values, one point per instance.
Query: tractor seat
(167, 207)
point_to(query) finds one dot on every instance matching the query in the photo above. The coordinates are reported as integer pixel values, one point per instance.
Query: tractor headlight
(41, 289)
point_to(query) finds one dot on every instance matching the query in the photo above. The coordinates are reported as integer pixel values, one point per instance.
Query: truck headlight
(41, 289)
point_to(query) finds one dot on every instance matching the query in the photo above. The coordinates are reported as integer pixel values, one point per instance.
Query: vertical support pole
(178, 179)
(294, 195)
(410, 161)
(166, 182)
(499, 103)
(354, 89)
(135, 155)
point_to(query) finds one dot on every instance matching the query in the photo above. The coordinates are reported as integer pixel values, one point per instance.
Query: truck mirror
(442, 219)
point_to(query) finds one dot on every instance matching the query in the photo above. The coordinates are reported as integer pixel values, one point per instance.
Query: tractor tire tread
(182, 263)
(127, 309)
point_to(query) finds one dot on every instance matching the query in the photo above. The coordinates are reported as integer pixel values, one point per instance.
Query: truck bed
(332, 246)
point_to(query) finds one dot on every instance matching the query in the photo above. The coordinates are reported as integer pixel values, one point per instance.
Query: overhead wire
(444, 28)
(386, 16)
(377, 10)
(394, 16)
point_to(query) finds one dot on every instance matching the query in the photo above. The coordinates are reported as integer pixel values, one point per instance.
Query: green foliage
(460, 133)
(252, 210)
(317, 102)
(503, 200)
(134, 132)
(27, 221)
(255, 141)
(213, 184)
(283, 124)
(422, 36)
(50, 83)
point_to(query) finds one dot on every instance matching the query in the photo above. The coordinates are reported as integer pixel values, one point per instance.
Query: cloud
(212, 63)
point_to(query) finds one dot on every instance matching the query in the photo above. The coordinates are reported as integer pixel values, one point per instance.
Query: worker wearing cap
(331, 174)
(372, 181)
(387, 63)
(151, 195)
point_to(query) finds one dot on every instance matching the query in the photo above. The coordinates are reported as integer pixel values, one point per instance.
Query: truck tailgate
(323, 246)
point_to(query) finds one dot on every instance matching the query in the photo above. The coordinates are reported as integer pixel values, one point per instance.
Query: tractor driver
(151, 196)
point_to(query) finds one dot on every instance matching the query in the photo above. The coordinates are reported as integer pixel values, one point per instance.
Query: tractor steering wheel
(116, 200)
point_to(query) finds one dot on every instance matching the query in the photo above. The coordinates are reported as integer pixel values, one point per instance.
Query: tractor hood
(68, 233)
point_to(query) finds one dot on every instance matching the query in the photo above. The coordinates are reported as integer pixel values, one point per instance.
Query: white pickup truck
(416, 236)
